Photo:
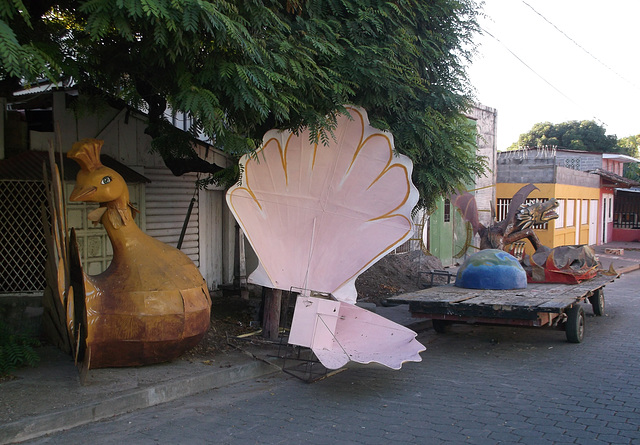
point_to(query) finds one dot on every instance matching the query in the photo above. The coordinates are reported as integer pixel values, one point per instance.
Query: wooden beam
(271, 320)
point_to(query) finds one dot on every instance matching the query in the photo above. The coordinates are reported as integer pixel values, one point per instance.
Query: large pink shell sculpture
(318, 215)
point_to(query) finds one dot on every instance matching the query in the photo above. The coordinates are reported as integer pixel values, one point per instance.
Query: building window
(570, 211)
(447, 210)
(585, 212)
(560, 212)
(610, 217)
(503, 208)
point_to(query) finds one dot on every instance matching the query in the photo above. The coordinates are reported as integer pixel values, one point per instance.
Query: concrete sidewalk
(50, 398)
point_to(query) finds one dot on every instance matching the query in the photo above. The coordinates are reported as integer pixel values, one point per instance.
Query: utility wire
(538, 74)
(582, 48)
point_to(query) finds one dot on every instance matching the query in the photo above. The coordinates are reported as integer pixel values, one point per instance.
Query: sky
(557, 61)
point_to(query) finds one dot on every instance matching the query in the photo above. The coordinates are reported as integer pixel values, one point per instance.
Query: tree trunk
(271, 320)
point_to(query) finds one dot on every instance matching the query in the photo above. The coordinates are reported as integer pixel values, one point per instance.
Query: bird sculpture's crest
(120, 212)
(86, 153)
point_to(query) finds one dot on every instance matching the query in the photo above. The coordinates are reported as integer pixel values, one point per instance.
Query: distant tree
(239, 68)
(632, 171)
(630, 145)
(571, 135)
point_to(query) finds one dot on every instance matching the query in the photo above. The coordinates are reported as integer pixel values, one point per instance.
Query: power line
(582, 48)
(538, 74)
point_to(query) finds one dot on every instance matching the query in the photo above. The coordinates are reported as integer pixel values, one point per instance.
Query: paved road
(477, 385)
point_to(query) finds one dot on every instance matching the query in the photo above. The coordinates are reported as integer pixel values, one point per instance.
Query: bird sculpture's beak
(80, 193)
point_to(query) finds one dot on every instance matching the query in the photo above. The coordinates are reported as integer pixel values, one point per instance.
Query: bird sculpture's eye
(105, 180)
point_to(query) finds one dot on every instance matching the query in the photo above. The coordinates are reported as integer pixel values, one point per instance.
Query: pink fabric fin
(339, 332)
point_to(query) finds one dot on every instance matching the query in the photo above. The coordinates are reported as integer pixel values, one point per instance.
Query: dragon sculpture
(518, 223)
(562, 264)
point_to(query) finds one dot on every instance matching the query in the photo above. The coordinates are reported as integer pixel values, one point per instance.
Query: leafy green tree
(630, 145)
(571, 135)
(239, 68)
(632, 171)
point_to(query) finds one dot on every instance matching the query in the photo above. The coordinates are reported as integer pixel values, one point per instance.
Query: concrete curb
(33, 427)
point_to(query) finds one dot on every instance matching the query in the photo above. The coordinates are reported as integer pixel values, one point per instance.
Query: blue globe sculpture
(491, 269)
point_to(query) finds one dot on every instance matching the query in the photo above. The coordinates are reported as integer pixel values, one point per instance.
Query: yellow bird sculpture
(151, 304)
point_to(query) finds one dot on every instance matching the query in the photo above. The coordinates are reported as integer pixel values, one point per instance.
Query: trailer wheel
(441, 326)
(597, 302)
(575, 324)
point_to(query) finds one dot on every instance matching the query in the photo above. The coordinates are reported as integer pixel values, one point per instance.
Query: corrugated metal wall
(167, 199)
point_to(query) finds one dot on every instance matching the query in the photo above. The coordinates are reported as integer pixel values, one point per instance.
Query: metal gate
(23, 251)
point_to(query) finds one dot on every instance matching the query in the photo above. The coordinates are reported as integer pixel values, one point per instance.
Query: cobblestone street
(476, 384)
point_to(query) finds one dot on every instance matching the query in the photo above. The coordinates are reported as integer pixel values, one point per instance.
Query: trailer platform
(540, 304)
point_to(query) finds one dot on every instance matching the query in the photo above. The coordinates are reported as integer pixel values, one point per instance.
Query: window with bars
(447, 210)
(23, 251)
(626, 211)
(503, 208)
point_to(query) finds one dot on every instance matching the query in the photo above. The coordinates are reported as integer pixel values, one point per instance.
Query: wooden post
(271, 320)
(244, 291)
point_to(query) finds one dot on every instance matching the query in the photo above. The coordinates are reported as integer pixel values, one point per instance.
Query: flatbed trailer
(540, 304)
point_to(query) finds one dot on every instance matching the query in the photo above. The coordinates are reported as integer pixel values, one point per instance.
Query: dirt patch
(231, 316)
(397, 274)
